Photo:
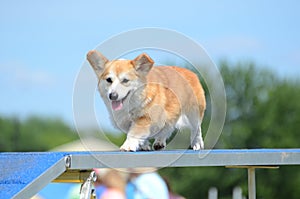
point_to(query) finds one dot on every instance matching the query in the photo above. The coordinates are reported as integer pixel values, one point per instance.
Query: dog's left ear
(143, 63)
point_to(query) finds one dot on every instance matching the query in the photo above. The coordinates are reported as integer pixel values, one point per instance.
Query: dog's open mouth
(118, 104)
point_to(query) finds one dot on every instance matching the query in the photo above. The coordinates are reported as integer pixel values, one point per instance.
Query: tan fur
(152, 103)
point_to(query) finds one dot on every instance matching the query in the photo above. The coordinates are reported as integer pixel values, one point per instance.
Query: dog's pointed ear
(97, 61)
(143, 63)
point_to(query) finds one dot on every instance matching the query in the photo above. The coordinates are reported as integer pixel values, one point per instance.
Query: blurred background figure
(145, 183)
(110, 184)
(172, 195)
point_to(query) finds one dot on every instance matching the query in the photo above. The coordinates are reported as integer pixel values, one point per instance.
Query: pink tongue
(117, 105)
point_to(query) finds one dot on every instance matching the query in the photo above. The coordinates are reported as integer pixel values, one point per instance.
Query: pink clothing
(173, 196)
(113, 194)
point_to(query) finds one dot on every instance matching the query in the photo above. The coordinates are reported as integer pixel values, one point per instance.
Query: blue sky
(44, 43)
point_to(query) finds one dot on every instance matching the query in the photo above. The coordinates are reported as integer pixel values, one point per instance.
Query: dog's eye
(109, 80)
(125, 81)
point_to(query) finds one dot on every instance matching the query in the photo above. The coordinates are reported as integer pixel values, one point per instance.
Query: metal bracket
(68, 161)
(87, 191)
(251, 177)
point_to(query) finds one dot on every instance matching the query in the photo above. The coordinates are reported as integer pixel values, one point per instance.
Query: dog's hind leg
(196, 138)
(195, 121)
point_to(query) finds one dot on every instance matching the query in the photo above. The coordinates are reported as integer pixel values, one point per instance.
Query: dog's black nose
(113, 96)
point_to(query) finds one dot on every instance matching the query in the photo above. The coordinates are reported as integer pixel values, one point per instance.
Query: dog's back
(183, 85)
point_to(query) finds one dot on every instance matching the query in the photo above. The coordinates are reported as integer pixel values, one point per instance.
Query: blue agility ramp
(22, 175)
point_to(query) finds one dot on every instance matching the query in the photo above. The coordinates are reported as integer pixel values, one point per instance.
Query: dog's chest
(122, 120)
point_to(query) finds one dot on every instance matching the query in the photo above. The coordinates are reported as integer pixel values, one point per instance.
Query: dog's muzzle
(113, 96)
(115, 103)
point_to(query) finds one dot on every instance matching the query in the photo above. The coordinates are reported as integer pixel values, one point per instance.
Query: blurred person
(145, 183)
(110, 184)
(172, 195)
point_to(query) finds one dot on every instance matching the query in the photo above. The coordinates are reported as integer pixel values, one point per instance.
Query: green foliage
(33, 134)
(263, 111)
(195, 182)
(8, 129)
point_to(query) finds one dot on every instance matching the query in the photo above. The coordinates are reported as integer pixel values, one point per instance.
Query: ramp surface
(22, 174)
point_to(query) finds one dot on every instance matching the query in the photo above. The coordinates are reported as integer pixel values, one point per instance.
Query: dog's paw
(198, 146)
(130, 145)
(146, 146)
(159, 145)
(128, 148)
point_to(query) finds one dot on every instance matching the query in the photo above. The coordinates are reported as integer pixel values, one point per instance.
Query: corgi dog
(147, 101)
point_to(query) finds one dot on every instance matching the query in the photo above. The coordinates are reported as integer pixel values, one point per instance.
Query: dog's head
(119, 78)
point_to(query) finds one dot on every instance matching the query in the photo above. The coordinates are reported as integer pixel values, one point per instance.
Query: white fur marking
(182, 122)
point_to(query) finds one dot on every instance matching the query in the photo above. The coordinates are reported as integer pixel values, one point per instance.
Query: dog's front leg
(137, 138)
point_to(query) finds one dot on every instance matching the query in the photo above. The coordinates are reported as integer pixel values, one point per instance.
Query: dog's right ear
(97, 61)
